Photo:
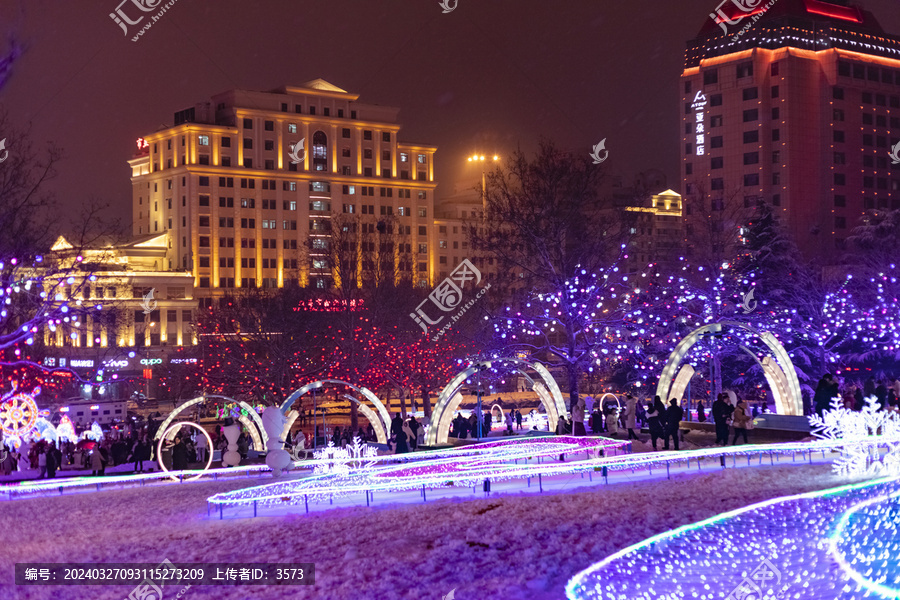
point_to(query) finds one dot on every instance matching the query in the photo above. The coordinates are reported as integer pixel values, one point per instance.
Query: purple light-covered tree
(579, 326)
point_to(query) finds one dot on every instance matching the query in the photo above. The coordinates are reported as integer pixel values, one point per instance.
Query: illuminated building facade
(124, 338)
(799, 111)
(241, 209)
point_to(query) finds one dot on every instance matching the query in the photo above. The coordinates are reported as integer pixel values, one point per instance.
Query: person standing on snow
(631, 416)
(742, 421)
(656, 418)
(674, 414)
(721, 410)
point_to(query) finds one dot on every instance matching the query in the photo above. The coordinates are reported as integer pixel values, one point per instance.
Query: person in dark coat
(701, 412)
(882, 394)
(825, 391)
(179, 455)
(656, 420)
(721, 410)
(596, 422)
(140, 449)
(518, 419)
(402, 441)
(414, 427)
(52, 462)
(674, 414)
(396, 425)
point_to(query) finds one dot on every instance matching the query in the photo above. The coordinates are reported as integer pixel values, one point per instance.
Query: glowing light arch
(450, 398)
(381, 422)
(500, 408)
(602, 399)
(779, 372)
(258, 437)
(170, 433)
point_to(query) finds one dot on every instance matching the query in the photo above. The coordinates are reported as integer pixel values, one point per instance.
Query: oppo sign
(151, 361)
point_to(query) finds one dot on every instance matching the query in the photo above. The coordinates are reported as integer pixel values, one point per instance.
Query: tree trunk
(354, 417)
(572, 372)
(426, 402)
(403, 403)
(717, 379)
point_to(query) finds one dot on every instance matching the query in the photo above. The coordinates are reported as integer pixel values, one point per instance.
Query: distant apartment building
(657, 235)
(454, 215)
(799, 111)
(244, 187)
(653, 215)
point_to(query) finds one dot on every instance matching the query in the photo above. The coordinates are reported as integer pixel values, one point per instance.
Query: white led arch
(170, 433)
(602, 399)
(779, 370)
(258, 437)
(372, 416)
(381, 422)
(449, 398)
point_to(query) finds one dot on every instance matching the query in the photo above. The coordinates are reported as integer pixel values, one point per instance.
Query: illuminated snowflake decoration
(18, 412)
(354, 459)
(859, 456)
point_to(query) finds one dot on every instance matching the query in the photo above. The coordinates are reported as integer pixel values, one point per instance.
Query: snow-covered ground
(510, 545)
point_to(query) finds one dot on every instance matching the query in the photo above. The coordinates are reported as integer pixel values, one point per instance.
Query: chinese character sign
(699, 108)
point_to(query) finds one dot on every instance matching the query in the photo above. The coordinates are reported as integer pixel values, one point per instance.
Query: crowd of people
(663, 422)
(49, 457)
(852, 395)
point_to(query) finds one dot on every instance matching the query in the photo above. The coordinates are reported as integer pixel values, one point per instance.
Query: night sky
(489, 76)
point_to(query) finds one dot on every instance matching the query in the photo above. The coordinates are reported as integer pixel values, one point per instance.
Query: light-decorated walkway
(510, 470)
(834, 544)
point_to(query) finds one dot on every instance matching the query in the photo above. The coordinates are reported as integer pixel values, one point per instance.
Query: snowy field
(514, 544)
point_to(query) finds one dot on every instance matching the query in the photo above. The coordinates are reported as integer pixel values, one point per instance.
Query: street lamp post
(315, 423)
(480, 158)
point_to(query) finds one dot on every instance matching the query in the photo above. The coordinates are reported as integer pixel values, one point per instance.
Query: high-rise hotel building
(240, 210)
(800, 110)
